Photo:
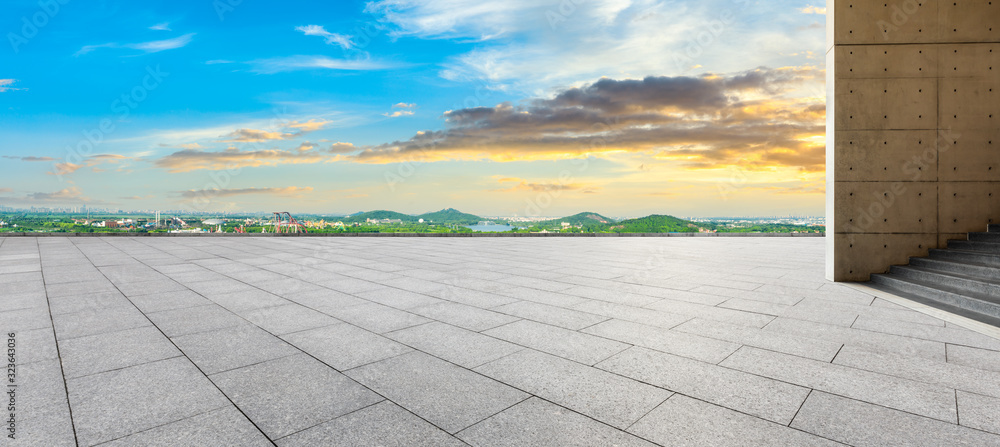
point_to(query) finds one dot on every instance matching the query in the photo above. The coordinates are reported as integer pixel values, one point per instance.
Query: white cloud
(165, 26)
(148, 47)
(813, 10)
(535, 45)
(294, 63)
(5, 85)
(398, 114)
(403, 105)
(330, 38)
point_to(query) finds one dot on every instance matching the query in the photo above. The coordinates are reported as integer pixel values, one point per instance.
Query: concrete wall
(913, 128)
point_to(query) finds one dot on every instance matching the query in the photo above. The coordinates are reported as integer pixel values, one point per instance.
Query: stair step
(985, 237)
(974, 257)
(983, 247)
(993, 228)
(975, 270)
(943, 296)
(954, 281)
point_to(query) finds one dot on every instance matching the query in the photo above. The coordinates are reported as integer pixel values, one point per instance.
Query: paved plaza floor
(474, 341)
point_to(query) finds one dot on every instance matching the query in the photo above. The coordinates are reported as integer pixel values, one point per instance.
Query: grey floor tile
(400, 299)
(873, 341)
(190, 320)
(572, 345)
(113, 350)
(461, 315)
(247, 300)
(556, 316)
(919, 398)
(377, 318)
(448, 396)
(536, 422)
(674, 342)
(79, 287)
(384, 424)
(948, 375)
(979, 412)
(39, 385)
(454, 344)
(98, 321)
(168, 301)
(711, 313)
(974, 358)
(612, 399)
(475, 298)
(289, 394)
(131, 288)
(42, 427)
(118, 403)
(683, 421)
(345, 346)
(616, 296)
(35, 345)
(747, 393)
(750, 336)
(541, 296)
(861, 424)
(951, 335)
(288, 318)
(25, 319)
(635, 314)
(232, 347)
(224, 426)
(326, 300)
(87, 302)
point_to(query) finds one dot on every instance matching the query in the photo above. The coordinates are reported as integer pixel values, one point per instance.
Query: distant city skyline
(518, 107)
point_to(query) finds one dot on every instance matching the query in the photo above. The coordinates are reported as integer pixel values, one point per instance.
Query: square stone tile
(454, 344)
(470, 297)
(83, 356)
(25, 319)
(750, 336)
(674, 342)
(448, 396)
(191, 320)
(857, 423)
(974, 358)
(553, 315)
(288, 318)
(225, 426)
(244, 301)
(377, 318)
(289, 394)
(34, 345)
(400, 299)
(384, 424)
(919, 398)
(118, 403)
(98, 321)
(754, 395)
(683, 421)
(157, 302)
(131, 288)
(537, 422)
(48, 426)
(948, 375)
(979, 412)
(572, 345)
(345, 346)
(461, 315)
(609, 398)
(232, 347)
(87, 302)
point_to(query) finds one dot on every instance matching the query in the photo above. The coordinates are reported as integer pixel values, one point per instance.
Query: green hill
(451, 216)
(586, 218)
(655, 224)
(380, 214)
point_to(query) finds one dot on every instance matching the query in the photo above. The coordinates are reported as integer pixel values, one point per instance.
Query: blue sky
(624, 107)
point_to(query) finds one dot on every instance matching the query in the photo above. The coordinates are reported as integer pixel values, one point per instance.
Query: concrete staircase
(963, 279)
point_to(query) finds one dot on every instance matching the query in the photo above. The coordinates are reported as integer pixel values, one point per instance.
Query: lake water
(479, 228)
